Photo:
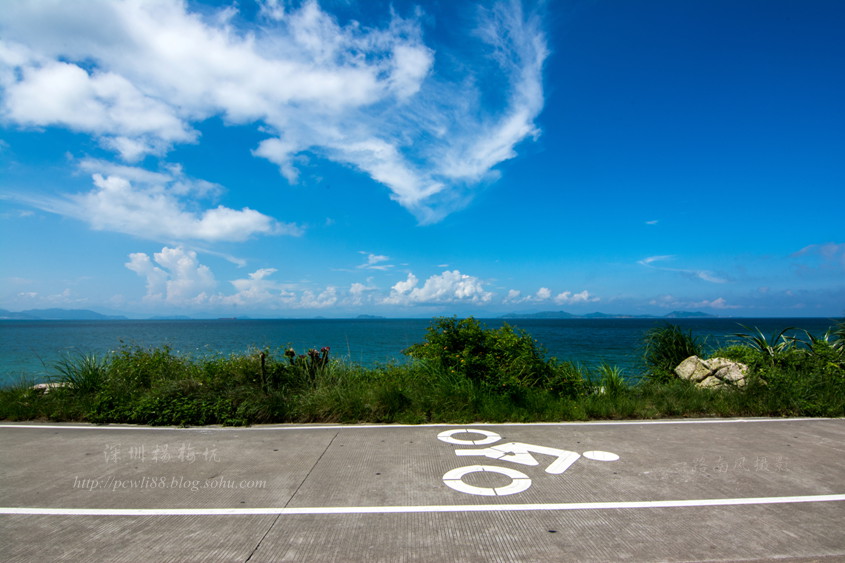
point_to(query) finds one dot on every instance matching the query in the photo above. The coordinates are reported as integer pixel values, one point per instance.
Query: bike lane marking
(514, 452)
(519, 481)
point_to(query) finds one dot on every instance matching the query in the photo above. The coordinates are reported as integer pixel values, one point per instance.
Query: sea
(29, 350)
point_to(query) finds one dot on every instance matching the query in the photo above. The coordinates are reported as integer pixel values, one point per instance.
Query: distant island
(58, 315)
(88, 315)
(565, 315)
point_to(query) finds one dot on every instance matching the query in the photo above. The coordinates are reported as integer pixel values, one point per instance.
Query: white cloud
(718, 303)
(448, 287)
(104, 104)
(374, 262)
(174, 276)
(569, 298)
(671, 302)
(543, 294)
(513, 296)
(312, 300)
(154, 206)
(704, 275)
(651, 259)
(256, 289)
(829, 253)
(141, 74)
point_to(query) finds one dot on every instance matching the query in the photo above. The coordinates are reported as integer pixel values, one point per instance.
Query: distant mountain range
(58, 315)
(565, 315)
(88, 315)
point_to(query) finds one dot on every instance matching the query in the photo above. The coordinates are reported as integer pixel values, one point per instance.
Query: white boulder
(713, 373)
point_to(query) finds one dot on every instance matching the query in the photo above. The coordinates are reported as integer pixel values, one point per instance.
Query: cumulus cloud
(360, 294)
(174, 276)
(515, 296)
(448, 287)
(157, 206)
(569, 298)
(104, 104)
(141, 75)
(256, 290)
(313, 300)
(543, 294)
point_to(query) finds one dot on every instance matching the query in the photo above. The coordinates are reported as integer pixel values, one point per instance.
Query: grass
(664, 348)
(462, 373)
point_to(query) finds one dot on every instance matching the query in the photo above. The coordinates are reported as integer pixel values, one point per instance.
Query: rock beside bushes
(713, 373)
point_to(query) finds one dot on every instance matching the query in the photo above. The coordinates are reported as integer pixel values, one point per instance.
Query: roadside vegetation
(461, 372)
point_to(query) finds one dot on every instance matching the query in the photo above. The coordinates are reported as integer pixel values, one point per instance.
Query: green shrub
(506, 359)
(739, 353)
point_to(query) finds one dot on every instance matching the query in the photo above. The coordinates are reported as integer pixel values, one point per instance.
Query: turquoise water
(30, 349)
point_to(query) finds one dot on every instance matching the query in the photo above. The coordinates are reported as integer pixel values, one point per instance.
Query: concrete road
(694, 490)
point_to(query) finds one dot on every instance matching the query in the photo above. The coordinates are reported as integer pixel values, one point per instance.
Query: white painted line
(391, 426)
(416, 509)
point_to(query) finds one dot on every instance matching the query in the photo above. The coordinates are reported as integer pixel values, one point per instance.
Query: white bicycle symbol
(515, 452)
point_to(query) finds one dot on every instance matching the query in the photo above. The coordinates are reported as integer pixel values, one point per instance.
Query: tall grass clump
(82, 374)
(611, 381)
(772, 348)
(665, 347)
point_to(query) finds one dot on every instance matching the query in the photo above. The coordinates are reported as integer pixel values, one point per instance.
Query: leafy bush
(665, 347)
(739, 353)
(506, 359)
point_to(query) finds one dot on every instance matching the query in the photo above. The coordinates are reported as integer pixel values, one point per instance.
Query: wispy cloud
(671, 302)
(704, 275)
(141, 75)
(374, 262)
(828, 254)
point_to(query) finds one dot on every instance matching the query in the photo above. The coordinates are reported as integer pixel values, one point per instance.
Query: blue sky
(295, 159)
